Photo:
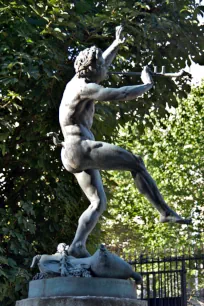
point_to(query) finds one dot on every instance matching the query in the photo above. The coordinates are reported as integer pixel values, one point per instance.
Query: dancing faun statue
(83, 156)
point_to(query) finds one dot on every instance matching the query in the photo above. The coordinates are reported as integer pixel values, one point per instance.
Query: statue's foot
(174, 219)
(78, 250)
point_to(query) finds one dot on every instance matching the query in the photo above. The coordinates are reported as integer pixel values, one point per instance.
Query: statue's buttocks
(75, 148)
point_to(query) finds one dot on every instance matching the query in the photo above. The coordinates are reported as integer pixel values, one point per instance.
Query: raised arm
(111, 52)
(96, 92)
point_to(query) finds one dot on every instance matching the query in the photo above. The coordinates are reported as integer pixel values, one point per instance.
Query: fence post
(183, 284)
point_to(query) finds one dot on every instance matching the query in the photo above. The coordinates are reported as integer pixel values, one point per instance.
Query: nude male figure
(84, 157)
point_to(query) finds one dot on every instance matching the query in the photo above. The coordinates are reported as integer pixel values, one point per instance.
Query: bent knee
(139, 163)
(138, 159)
(99, 205)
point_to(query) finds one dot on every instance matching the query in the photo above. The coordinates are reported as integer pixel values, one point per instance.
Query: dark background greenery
(40, 202)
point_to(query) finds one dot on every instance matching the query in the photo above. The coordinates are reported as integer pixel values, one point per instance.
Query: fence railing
(171, 277)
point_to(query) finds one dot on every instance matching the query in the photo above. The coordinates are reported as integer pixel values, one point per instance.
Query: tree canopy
(40, 202)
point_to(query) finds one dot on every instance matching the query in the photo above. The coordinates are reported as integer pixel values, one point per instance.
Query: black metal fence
(170, 278)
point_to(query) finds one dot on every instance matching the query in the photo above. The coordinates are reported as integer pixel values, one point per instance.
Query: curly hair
(88, 62)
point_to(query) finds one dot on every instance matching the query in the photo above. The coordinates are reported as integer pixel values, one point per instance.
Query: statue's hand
(118, 36)
(146, 75)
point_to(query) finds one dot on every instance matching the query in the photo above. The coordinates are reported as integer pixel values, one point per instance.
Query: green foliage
(172, 151)
(40, 203)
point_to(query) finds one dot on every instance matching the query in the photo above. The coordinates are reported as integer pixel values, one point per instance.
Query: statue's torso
(76, 114)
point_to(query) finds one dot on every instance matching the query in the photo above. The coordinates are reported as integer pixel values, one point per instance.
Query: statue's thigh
(105, 156)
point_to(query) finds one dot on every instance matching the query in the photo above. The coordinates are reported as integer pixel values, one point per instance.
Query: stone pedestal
(77, 286)
(80, 301)
(73, 291)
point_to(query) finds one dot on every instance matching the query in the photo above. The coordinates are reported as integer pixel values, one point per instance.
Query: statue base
(80, 301)
(77, 286)
(76, 291)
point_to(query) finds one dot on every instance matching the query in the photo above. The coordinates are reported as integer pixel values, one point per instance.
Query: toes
(184, 221)
(174, 219)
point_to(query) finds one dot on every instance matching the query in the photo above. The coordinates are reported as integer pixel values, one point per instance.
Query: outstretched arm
(111, 52)
(96, 92)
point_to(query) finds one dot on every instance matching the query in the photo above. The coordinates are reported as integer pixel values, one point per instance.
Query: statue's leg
(100, 155)
(91, 184)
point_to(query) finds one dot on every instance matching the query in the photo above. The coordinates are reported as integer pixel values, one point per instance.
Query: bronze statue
(85, 157)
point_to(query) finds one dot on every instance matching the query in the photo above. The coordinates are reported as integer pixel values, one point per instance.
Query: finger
(119, 32)
(148, 70)
(117, 28)
(120, 29)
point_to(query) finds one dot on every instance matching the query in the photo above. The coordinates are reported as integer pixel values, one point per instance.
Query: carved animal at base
(101, 264)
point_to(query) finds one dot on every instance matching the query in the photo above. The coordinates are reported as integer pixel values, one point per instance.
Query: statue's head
(90, 65)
